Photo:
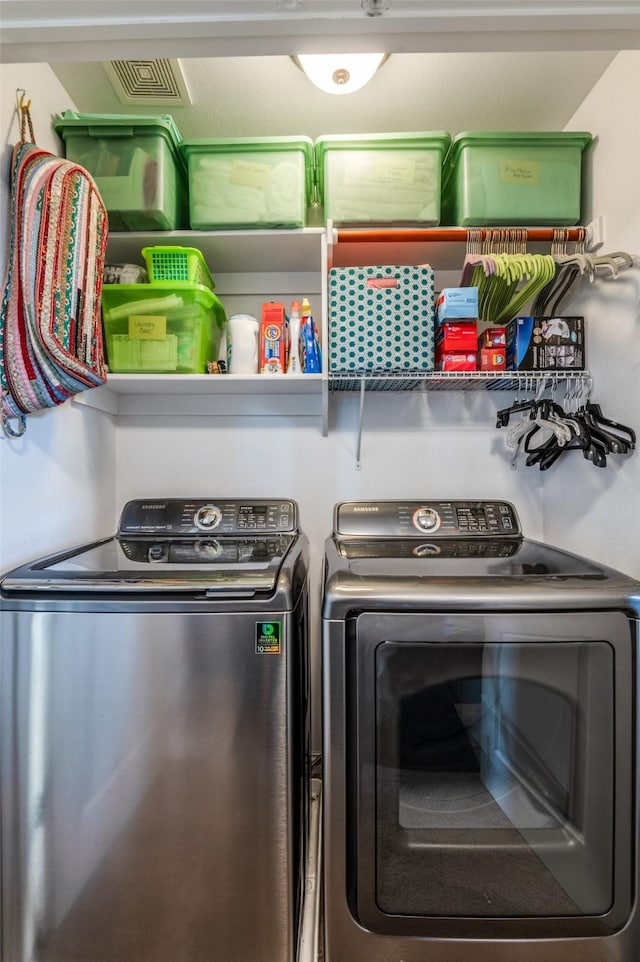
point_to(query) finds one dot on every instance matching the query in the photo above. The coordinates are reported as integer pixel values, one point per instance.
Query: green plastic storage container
(514, 179)
(156, 329)
(381, 178)
(136, 164)
(249, 183)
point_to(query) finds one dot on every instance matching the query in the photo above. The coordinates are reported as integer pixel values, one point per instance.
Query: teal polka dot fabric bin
(381, 319)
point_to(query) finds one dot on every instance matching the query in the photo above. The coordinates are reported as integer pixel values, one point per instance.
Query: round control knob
(207, 517)
(427, 550)
(208, 550)
(426, 519)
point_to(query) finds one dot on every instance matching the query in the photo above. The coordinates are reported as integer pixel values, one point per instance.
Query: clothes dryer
(480, 733)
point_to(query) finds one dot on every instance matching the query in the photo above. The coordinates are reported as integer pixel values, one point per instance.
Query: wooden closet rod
(455, 234)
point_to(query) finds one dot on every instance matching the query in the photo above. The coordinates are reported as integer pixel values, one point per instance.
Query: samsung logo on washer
(371, 509)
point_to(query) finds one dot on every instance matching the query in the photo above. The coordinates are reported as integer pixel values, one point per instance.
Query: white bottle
(294, 366)
(242, 344)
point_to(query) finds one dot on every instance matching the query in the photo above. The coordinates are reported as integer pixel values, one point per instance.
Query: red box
(456, 361)
(457, 336)
(273, 339)
(492, 359)
(492, 337)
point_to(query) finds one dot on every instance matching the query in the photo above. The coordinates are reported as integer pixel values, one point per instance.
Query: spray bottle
(309, 347)
(295, 364)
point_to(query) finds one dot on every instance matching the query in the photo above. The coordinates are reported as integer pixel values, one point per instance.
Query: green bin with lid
(381, 179)
(260, 182)
(514, 179)
(136, 164)
(160, 328)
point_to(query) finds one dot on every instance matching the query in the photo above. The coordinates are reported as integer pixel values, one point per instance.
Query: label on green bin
(148, 326)
(247, 173)
(521, 172)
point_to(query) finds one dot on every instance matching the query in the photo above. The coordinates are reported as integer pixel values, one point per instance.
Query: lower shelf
(451, 380)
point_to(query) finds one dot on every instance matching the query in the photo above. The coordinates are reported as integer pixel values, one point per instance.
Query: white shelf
(207, 385)
(262, 264)
(451, 380)
(229, 251)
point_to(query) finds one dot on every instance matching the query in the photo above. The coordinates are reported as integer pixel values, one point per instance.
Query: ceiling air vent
(149, 82)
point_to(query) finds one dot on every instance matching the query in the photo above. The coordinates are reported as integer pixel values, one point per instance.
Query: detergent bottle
(309, 347)
(294, 366)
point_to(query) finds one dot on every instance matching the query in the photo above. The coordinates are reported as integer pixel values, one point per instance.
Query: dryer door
(492, 770)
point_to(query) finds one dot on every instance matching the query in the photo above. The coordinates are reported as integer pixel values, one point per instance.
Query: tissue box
(381, 318)
(545, 343)
(456, 361)
(492, 337)
(457, 303)
(492, 359)
(452, 336)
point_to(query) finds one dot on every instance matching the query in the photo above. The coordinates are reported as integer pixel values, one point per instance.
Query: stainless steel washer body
(480, 731)
(154, 736)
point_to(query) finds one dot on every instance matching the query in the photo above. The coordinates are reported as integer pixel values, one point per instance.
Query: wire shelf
(450, 380)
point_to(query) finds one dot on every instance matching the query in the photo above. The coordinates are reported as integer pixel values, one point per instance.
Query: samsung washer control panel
(174, 517)
(437, 519)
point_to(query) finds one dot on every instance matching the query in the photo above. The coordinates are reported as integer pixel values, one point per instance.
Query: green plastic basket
(166, 265)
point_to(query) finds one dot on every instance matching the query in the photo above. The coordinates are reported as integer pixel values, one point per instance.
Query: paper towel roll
(242, 344)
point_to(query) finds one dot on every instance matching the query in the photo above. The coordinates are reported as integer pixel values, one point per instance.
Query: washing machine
(480, 733)
(154, 739)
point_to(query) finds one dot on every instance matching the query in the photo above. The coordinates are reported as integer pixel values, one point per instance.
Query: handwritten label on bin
(248, 173)
(523, 172)
(148, 327)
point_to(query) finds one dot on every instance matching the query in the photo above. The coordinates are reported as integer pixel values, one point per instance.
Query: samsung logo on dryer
(369, 509)
(152, 507)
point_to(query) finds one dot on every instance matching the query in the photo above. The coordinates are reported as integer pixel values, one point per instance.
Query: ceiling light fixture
(340, 73)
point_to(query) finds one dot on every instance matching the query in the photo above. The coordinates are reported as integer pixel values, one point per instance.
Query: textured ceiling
(259, 96)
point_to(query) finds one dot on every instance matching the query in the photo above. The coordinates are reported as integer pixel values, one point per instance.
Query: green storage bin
(136, 164)
(381, 179)
(156, 329)
(514, 179)
(249, 183)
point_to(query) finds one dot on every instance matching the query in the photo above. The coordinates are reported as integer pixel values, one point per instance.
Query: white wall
(589, 510)
(58, 479)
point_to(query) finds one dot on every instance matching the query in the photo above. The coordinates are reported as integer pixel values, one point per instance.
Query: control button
(426, 519)
(207, 517)
(506, 523)
(208, 550)
(426, 550)
(157, 552)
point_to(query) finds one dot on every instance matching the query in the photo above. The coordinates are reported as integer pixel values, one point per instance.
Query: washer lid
(216, 566)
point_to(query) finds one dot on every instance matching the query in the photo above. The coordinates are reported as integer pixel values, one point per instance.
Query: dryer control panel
(438, 519)
(175, 517)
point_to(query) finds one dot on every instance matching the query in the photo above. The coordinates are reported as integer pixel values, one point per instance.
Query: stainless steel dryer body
(154, 739)
(480, 742)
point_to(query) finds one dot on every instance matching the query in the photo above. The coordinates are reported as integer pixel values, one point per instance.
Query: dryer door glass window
(491, 773)
(484, 793)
